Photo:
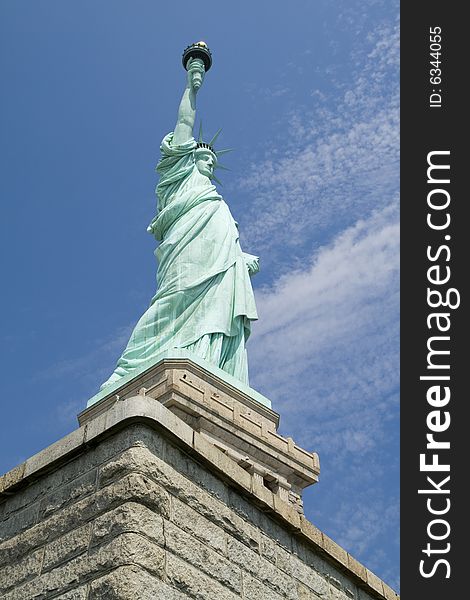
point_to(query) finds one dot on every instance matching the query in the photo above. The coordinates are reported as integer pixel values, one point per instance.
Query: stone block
(237, 527)
(364, 595)
(262, 493)
(221, 461)
(195, 524)
(130, 460)
(66, 547)
(311, 532)
(338, 594)
(130, 517)
(286, 512)
(268, 548)
(202, 557)
(283, 559)
(242, 506)
(66, 576)
(133, 487)
(12, 477)
(80, 593)
(137, 434)
(50, 482)
(15, 574)
(68, 494)
(188, 468)
(309, 577)
(134, 435)
(19, 521)
(142, 407)
(260, 568)
(374, 582)
(253, 589)
(124, 550)
(309, 555)
(31, 590)
(132, 583)
(192, 582)
(141, 459)
(389, 593)
(94, 428)
(356, 568)
(129, 548)
(336, 551)
(16, 546)
(276, 554)
(305, 593)
(266, 523)
(45, 459)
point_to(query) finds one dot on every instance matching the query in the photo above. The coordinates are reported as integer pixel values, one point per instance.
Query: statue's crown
(206, 146)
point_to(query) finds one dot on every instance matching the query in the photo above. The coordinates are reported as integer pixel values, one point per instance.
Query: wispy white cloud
(336, 320)
(339, 163)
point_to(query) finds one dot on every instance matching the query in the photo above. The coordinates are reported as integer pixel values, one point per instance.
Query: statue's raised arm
(187, 109)
(197, 59)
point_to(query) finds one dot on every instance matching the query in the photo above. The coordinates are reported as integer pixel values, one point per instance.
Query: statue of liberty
(204, 301)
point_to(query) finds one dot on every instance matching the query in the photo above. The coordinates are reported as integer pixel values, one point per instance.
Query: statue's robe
(204, 301)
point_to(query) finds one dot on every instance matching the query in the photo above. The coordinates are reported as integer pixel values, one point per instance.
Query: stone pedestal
(231, 418)
(175, 486)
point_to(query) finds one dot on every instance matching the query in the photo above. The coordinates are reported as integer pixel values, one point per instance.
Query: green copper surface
(204, 303)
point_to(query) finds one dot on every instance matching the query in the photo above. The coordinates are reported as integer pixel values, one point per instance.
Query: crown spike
(211, 143)
(220, 152)
(216, 179)
(217, 166)
(200, 132)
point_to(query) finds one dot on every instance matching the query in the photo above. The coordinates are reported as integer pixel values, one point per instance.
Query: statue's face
(205, 163)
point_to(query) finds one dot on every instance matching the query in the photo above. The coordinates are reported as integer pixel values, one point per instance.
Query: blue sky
(309, 99)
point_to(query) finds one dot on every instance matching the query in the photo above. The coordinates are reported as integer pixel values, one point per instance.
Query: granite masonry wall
(132, 513)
